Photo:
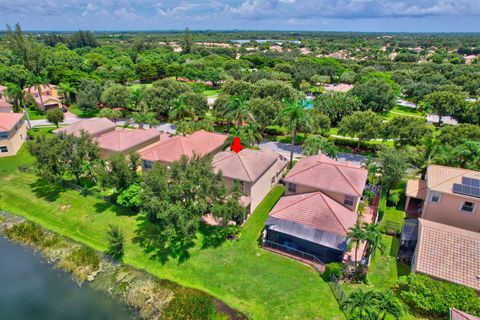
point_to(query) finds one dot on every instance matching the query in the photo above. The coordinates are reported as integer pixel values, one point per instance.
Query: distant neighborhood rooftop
(341, 87)
(324, 173)
(9, 120)
(247, 165)
(94, 127)
(121, 140)
(201, 143)
(448, 253)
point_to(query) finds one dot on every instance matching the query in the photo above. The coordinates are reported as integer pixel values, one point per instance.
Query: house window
(468, 207)
(292, 187)
(3, 149)
(4, 135)
(348, 200)
(435, 198)
(147, 164)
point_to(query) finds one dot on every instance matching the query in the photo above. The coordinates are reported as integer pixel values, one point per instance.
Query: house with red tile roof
(5, 106)
(256, 171)
(447, 195)
(447, 253)
(126, 140)
(13, 133)
(45, 98)
(166, 151)
(456, 314)
(95, 127)
(313, 218)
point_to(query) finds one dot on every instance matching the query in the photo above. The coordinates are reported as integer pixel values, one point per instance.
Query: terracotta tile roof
(315, 210)
(460, 315)
(5, 105)
(93, 126)
(200, 143)
(3, 88)
(324, 173)
(448, 253)
(44, 87)
(248, 165)
(9, 120)
(441, 178)
(120, 140)
(416, 189)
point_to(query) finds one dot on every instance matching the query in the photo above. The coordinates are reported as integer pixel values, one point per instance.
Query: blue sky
(327, 15)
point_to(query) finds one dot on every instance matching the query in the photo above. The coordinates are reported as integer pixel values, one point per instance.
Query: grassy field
(211, 92)
(404, 111)
(261, 284)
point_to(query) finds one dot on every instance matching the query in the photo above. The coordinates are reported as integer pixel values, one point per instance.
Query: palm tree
(425, 154)
(359, 304)
(180, 110)
(371, 165)
(238, 109)
(17, 96)
(67, 90)
(315, 144)
(252, 134)
(386, 303)
(38, 82)
(373, 237)
(295, 116)
(136, 98)
(357, 235)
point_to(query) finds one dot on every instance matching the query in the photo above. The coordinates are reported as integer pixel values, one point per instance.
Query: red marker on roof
(236, 146)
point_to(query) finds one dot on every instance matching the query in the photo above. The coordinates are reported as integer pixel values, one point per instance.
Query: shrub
(276, 130)
(84, 257)
(190, 304)
(55, 116)
(394, 198)
(130, 198)
(382, 207)
(116, 243)
(369, 195)
(434, 297)
(26, 232)
(333, 268)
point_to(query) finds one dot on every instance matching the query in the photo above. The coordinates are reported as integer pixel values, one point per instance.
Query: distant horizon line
(248, 30)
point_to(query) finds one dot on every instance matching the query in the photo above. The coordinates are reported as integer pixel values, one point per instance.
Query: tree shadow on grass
(159, 247)
(102, 206)
(212, 236)
(46, 190)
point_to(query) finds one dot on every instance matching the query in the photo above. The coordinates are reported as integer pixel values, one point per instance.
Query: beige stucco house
(48, 95)
(13, 133)
(447, 195)
(256, 171)
(125, 140)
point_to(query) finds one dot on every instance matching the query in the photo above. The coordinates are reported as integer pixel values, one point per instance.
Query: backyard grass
(82, 114)
(393, 215)
(35, 114)
(211, 92)
(259, 283)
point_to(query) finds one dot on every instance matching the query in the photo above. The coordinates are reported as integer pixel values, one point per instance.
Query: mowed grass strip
(259, 283)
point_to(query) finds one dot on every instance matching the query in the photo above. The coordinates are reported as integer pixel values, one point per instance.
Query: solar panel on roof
(469, 187)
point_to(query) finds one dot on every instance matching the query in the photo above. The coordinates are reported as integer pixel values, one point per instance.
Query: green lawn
(404, 111)
(82, 114)
(394, 215)
(35, 114)
(259, 283)
(211, 92)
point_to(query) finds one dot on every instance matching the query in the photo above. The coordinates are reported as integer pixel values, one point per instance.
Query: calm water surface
(30, 289)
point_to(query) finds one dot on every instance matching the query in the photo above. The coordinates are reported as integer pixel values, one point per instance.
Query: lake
(30, 288)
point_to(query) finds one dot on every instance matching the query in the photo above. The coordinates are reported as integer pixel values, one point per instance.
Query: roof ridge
(244, 167)
(333, 211)
(156, 144)
(348, 180)
(296, 202)
(308, 168)
(456, 176)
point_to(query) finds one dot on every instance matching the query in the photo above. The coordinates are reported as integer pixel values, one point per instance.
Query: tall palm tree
(425, 154)
(371, 165)
(238, 109)
(38, 82)
(357, 235)
(136, 98)
(315, 144)
(180, 110)
(17, 96)
(387, 304)
(295, 116)
(373, 237)
(252, 134)
(67, 90)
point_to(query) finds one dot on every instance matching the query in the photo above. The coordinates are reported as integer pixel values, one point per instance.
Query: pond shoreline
(143, 293)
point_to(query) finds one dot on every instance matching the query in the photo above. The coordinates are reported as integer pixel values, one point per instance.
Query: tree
(373, 239)
(364, 125)
(407, 130)
(337, 105)
(15, 95)
(130, 197)
(424, 155)
(376, 95)
(116, 96)
(295, 116)
(265, 111)
(88, 95)
(443, 103)
(187, 43)
(465, 155)
(143, 118)
(455, 135)
(197, 101)
(393, 166)
(181, 110)
(55, 116)
(357, 235)
(371, 165)
(238, 109)
(38, 83)
(120, 172)
(314, 144)
(252, 134)
(116, 243)
(111, 114)
(67, 90)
